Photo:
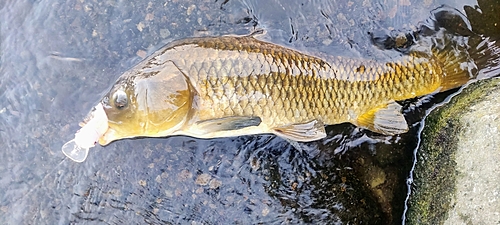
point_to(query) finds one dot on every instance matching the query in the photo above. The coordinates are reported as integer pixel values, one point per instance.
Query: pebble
(203, 179)
(214, 184)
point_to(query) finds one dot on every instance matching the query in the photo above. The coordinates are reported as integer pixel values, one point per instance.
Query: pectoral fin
(304, 132)
(388, 120)
(226, 124)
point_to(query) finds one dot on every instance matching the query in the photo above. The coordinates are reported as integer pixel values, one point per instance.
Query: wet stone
(203, 179)
(457, 172)
(190, 9)
(164, 33)
(214, 184)
(169, 194)
(158, 179)
(184, 175)
(265, 211)
(377, 177)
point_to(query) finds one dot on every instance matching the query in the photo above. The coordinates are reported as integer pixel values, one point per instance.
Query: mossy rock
(435, 173)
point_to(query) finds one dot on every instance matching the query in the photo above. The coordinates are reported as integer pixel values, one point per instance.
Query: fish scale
(235, 85)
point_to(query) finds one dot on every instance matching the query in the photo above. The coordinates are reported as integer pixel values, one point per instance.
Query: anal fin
(387, 120)
(303, 132)
(226, 124)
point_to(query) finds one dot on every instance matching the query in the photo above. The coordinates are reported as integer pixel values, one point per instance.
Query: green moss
(434, 175)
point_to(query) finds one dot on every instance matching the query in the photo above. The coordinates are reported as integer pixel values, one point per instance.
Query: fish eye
(120, 99)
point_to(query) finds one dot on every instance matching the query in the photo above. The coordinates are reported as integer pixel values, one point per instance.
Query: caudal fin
(464, 55)
(487, 58)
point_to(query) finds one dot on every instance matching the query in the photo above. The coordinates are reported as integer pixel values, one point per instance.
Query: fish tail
(464, 55)
(486, 56)
(465, 64)
(447, 37)
(456, 67)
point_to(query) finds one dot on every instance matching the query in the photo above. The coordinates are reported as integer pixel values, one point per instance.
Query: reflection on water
(59, 57)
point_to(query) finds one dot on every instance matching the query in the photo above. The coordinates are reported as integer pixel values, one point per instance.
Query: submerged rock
(457, 174)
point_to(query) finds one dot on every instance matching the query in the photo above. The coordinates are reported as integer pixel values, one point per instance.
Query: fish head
(155, 103)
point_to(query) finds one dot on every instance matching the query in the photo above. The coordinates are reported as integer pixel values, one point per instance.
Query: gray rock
(457, 174)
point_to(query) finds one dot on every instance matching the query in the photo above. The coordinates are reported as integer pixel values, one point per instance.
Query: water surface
(59, 57)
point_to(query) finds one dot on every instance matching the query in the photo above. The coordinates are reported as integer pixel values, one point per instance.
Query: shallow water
(59, 57)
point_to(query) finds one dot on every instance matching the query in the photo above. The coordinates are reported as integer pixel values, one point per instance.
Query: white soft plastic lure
(85, 138)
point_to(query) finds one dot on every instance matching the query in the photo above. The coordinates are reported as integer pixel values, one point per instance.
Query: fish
(212, 87)
(224, 86)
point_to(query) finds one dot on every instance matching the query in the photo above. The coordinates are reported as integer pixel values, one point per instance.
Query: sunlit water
(59, 57)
